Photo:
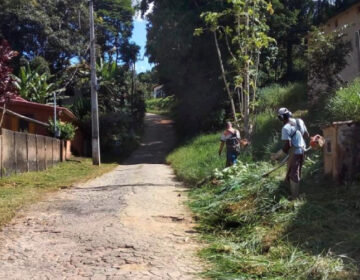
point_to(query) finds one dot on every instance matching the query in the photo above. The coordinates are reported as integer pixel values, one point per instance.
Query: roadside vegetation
(253, 230)
(161, 106)
(18, 191)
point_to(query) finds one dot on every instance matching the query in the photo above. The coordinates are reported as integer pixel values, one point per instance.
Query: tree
(187, 65)
(114, 27)
(35, 87)
(7, 87)
(245, 37)
(55, 30)
(326, 55)
(290, 23)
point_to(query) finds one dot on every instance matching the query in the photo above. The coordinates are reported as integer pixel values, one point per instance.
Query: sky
(139, 37)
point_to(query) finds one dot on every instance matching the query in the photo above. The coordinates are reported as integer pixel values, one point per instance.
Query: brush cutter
(281, 164)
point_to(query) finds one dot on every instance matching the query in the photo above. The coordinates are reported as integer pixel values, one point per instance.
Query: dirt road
(128, 224)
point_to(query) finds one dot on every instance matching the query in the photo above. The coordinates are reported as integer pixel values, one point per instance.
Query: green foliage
(114, 28)
(290, 23)
(33, 86)
(40, 64)
(345, 104)
(187, 65)
(254, 232)
(147, 81)
(326, 57)
(293, 96)
(197, 158)
(58, 30)
(81, 108)
(117, 134)
(266, 138)
(161, 105)
(67, 130)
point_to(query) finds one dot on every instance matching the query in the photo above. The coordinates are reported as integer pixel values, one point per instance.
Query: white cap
(284, 111)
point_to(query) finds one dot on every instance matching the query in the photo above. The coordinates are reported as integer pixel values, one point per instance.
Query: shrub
(117, 134)
(67, 130)
(292, 95)
(161, 105)
(345, 105)
(265, 138)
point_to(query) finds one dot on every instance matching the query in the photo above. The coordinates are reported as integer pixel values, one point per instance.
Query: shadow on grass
(328, 223)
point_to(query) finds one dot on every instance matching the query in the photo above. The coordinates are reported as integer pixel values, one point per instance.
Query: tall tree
(187, 65)
(245, 38)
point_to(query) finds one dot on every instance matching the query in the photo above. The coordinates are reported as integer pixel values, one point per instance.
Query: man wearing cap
(292, 134)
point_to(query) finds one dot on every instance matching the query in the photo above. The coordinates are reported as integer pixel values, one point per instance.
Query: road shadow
(157, 142)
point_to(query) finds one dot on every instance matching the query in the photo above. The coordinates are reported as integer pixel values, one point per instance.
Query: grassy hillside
(252, 229)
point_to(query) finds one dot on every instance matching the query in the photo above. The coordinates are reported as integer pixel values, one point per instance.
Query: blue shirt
(294, 132)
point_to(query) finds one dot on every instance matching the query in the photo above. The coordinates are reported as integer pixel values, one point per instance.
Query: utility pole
(94, 98)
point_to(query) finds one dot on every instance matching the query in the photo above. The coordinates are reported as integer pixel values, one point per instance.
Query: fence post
(2, 151)
(27, 153)
(37, 152)
(52, 151)
(15, 153)
(45, 148)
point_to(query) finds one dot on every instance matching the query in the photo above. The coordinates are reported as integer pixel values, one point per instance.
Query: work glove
(278, 155)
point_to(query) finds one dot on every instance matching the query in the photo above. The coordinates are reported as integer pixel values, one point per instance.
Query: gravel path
(128, 224)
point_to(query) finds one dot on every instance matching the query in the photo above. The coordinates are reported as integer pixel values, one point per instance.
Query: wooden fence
(24, 152)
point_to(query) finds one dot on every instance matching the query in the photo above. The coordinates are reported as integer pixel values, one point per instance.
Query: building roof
(19, 101)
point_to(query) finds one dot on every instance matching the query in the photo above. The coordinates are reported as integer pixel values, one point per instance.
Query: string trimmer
(281, 164)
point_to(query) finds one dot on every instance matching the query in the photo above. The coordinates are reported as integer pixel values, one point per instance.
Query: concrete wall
(351, 19)
(23, 152)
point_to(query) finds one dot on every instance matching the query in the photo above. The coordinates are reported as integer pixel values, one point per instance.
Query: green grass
(18, 191)
(198, 158)
(254, 232)
(345, 105)
(292, 95)
(161, 106)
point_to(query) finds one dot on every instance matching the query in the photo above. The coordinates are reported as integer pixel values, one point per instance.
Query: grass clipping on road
(255, 232)
(20, 190)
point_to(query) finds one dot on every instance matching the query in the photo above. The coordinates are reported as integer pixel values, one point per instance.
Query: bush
(345, 105)
(266, 137)
(292, 95)
(161, 105)
(67, 130)
(117, 134)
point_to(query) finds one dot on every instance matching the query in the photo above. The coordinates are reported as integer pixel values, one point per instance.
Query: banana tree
(35, 87)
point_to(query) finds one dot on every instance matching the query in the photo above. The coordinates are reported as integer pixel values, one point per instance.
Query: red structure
(42, 113)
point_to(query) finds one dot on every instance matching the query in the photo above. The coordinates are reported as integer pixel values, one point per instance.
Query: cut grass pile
(21, 190)
(255, 232)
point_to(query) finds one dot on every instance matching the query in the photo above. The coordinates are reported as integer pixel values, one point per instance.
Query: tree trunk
(247, 90)
(289, 61)
(224, 78)
(247, 102)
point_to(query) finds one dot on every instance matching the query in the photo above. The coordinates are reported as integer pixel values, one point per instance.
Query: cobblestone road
(128, 224)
